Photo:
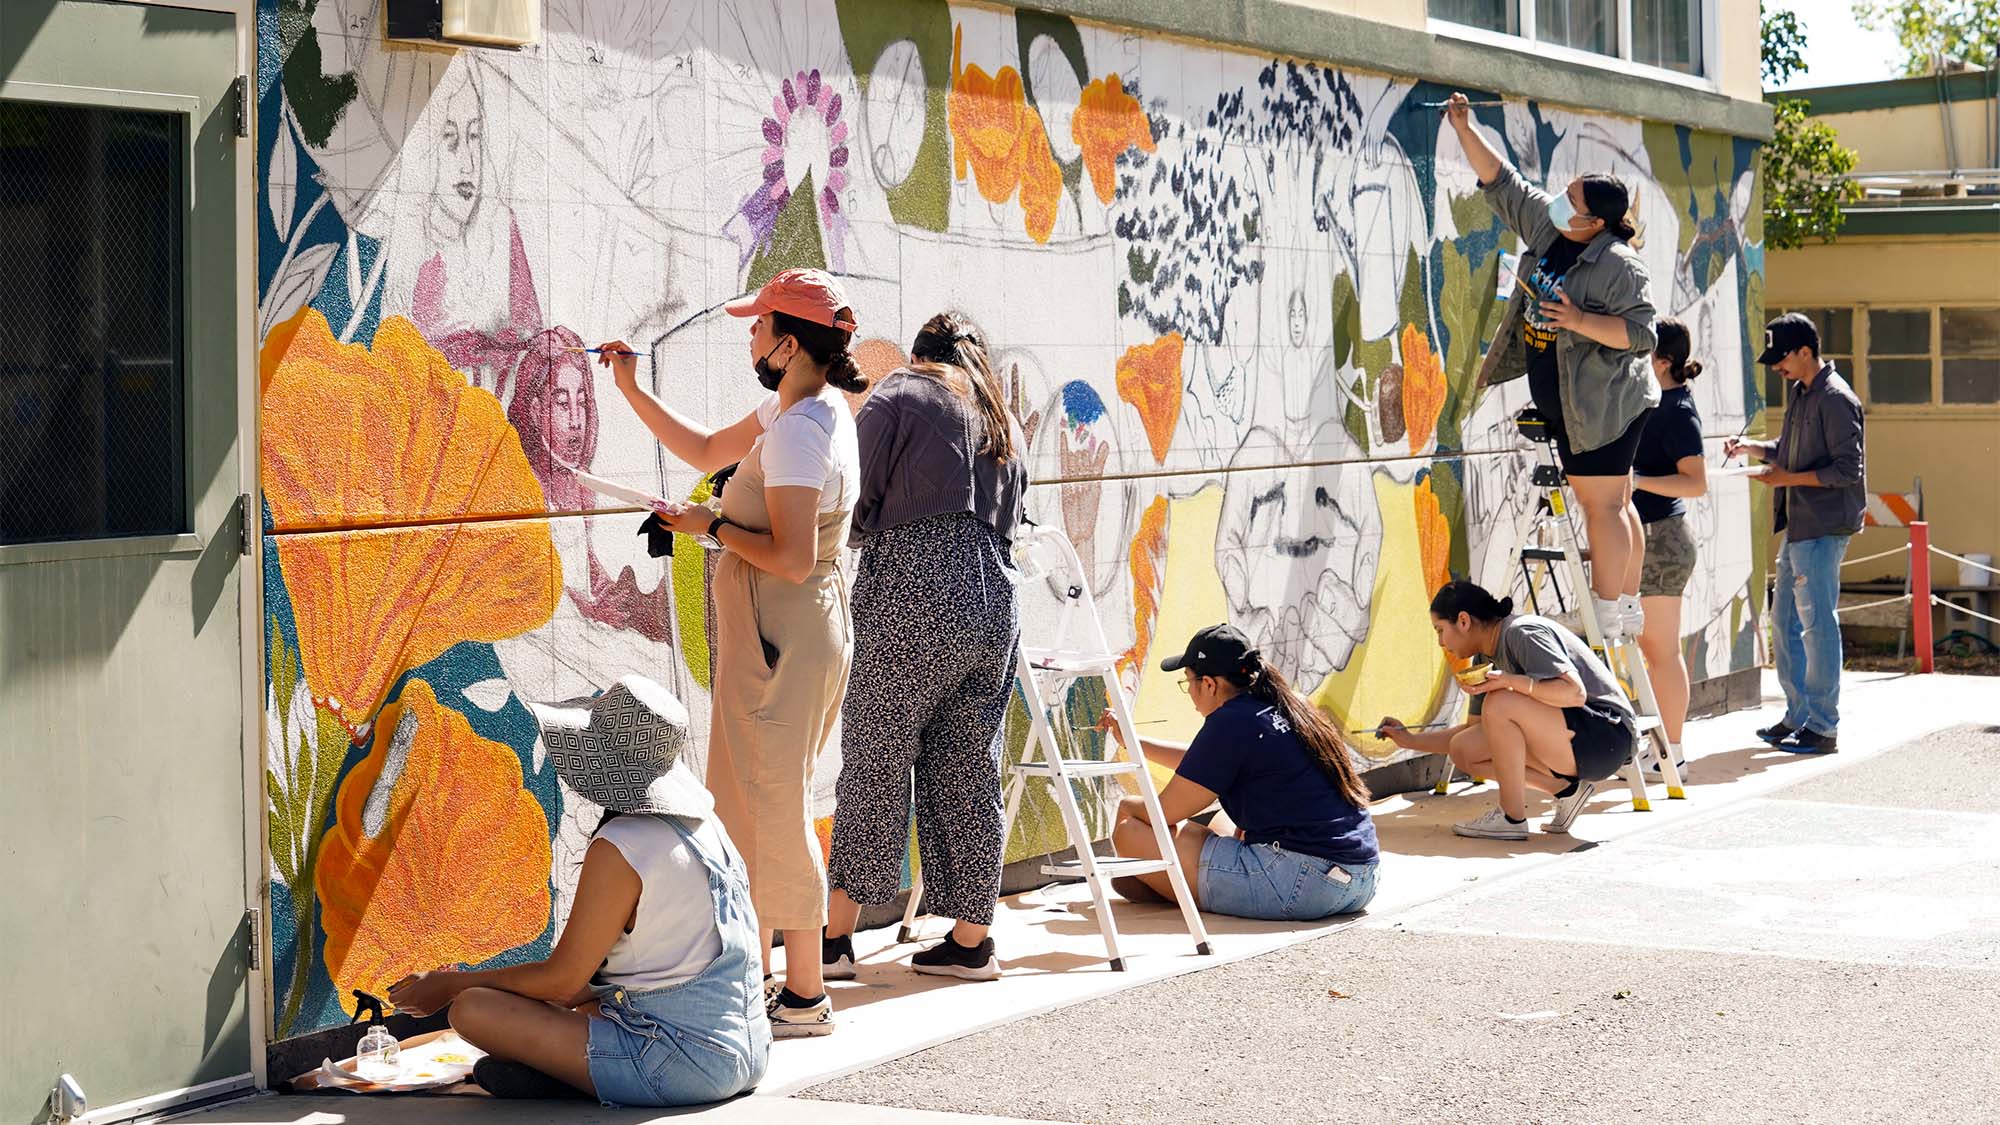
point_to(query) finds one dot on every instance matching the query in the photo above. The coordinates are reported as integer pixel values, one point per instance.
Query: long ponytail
(1264, 683)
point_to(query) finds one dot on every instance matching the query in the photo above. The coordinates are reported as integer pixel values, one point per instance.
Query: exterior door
(125, 946)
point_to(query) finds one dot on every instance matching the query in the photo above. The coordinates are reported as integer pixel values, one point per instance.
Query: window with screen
(92, 366)
(1899, 357)
(1969, 345)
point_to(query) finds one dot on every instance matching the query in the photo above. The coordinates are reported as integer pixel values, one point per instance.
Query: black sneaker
(1775, 733)
(836, 956)
(950, 959)
(505, 1078)
(1809, 742)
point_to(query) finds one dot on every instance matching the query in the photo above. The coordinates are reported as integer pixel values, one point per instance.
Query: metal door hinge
(253, 919)
(239, 98)
(245, 512)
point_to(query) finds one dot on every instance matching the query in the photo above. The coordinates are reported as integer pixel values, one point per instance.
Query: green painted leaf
(1355, 420)
(870, 27)
(317, 99)
(795, 239)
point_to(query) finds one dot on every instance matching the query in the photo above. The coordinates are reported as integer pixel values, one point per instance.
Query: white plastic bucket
(1969, 575)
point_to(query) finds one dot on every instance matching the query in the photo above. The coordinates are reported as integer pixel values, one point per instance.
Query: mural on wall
(1239, 302)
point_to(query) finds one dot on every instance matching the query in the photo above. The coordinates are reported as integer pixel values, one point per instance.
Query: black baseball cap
(1786, 335)
(1219, 650)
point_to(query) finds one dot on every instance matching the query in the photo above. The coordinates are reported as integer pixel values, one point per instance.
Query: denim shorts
(1267, 881)
(638, 1059)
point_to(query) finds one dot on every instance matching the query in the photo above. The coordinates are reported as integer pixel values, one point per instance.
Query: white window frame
(1621, 63)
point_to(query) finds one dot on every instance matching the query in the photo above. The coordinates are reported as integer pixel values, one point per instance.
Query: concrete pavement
(1452, 913)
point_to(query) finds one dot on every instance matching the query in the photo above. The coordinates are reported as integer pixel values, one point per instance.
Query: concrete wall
(1241, 301)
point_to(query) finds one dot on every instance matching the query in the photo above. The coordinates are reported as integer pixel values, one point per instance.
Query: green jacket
(1604, 390)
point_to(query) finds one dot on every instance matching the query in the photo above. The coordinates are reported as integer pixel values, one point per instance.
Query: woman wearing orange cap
(783, 633)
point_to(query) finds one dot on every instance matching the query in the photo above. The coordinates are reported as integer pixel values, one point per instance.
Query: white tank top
(673, 936)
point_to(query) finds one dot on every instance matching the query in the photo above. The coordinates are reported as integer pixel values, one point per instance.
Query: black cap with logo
(1219, 650)
(1786, 335)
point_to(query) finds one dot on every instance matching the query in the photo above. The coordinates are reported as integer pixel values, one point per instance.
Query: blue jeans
(1269, 882)
(1806, 635)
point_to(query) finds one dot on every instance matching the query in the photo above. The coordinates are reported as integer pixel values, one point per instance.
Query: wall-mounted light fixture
(481, 23)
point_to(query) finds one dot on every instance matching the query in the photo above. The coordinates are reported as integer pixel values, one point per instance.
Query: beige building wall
(1956, 449)
(1912, 138)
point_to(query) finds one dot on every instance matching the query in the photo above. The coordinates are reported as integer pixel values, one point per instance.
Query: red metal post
(1920, 594)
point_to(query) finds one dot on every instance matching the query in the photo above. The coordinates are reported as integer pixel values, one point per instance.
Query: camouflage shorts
(1669, 559)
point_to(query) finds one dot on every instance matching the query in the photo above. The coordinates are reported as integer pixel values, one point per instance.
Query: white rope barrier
(1935, 600)
(1871, 605)
(1902, 550)
(1959, 558)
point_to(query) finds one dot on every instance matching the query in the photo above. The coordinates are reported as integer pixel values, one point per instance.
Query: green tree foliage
(1968, 30)
(1805, 167)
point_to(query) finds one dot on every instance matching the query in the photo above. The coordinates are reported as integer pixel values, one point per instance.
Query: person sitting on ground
(1551, 717)
(652, 995)
(1304, 846)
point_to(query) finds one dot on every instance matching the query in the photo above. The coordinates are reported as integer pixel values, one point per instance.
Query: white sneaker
(1610, 618)
(1631, 615)
(1568, 807)
(1493, 826)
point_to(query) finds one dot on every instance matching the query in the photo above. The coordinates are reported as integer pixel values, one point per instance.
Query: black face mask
(768, 377)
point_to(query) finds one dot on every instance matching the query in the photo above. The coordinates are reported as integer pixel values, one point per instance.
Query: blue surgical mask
(1561, 211)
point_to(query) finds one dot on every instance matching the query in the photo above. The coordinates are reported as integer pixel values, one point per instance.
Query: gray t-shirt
(1541, 649)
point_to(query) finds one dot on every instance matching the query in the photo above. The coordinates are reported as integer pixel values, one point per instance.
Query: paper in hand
(620, 492)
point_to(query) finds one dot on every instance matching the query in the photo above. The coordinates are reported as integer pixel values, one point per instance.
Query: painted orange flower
(1107, 121)
(437, 855)
(1149, 377)
(1434, 550)
(1000, 137)
(1149, 579)
(393, 435)
(1423, 387)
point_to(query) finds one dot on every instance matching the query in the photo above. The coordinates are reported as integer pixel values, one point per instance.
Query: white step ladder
(1552, 539)
(1080, 650)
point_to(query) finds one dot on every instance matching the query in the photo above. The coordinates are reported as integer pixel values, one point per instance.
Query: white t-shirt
(674, 936)
(812, 445)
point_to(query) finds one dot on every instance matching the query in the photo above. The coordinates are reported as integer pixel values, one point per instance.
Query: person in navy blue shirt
(1668, 472)
(1303, 847)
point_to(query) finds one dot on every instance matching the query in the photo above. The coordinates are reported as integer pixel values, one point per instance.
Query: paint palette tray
(427, 1062)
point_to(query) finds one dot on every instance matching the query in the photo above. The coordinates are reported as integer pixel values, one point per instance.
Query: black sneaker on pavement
(1775, 733)
(1809, 742)
(950, 959)
(505, 1078)
(836, 956)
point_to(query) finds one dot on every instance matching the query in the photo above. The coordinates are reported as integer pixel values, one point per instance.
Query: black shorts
(1614, 460)
(1602, 738)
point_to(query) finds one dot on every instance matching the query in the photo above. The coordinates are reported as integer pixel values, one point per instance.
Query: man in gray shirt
(1817, 471)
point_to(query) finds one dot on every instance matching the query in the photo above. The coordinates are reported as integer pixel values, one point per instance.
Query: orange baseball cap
(807, 294)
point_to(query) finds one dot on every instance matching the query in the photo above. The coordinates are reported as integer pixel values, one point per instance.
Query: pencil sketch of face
(1297, 552)
(1295, 318)
(461, 154)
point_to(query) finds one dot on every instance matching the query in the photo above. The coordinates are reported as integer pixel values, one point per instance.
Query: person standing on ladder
(1579, 326)
(1817, 473)
(937, 628)
(1304, 846)
(1547, 715)
(1667, 472)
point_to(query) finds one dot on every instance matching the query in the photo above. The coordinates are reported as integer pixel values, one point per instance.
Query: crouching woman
(1547, 715)
(652, 996)
(1303, 846)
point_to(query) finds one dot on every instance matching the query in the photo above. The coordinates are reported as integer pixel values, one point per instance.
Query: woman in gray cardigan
(936, 624)
(1580, 326)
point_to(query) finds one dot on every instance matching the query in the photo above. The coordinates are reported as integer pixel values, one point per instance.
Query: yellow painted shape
(1399, 670)
(1191, 598)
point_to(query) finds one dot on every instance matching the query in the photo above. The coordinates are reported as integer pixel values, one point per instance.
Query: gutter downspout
(1944, 112)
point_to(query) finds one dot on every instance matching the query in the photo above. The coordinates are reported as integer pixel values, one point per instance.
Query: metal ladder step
(1070, 662)
(1108, 867)
(1078, 767)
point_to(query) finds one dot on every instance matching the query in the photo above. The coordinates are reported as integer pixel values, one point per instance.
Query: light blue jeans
(1806, 635)
(1272, 883)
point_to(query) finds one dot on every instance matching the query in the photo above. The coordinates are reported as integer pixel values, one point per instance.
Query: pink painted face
(569, 414)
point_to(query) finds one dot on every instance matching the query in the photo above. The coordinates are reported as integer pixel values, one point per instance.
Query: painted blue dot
(1081, 404)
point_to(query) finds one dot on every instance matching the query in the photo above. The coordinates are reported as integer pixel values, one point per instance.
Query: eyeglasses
(1184, 683)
